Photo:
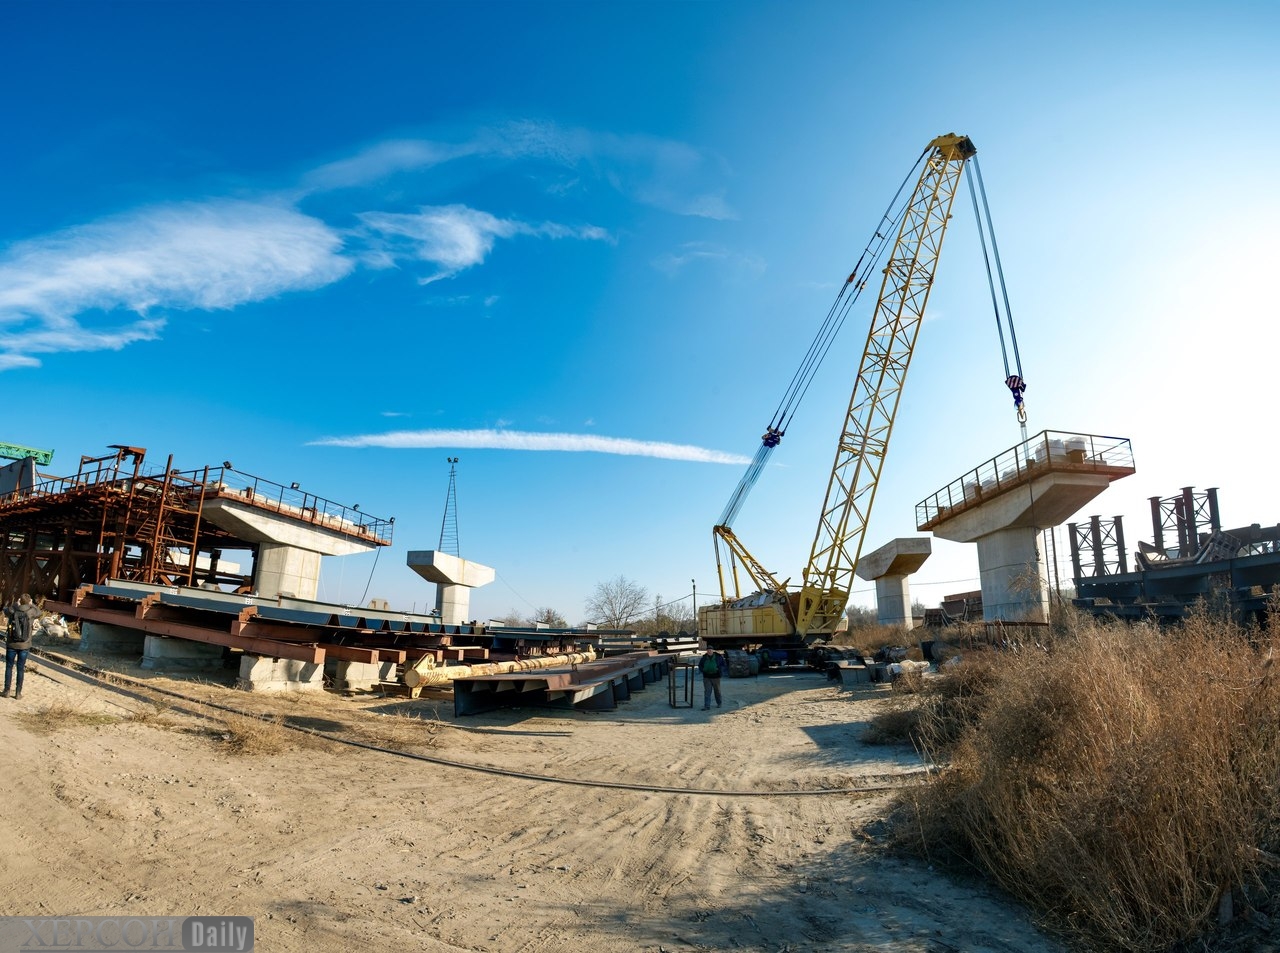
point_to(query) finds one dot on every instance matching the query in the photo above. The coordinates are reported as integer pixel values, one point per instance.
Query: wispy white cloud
(208, 256)
(115, 281)
(69, 336)
(454, 237)
(518, 440)
(383, 159)
(664, 173)
(693, 253)
(9, 361)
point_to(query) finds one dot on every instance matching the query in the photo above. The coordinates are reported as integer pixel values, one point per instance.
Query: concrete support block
(161, 653)
(893, 602)
(288, 570)
(359, 676)
(261, 674)
(100, 638)
(1014, 576)
(453, 603)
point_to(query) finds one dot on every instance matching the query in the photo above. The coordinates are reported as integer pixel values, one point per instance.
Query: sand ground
(730, 832)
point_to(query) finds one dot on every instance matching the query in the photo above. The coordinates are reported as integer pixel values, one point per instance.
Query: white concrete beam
(263, 526)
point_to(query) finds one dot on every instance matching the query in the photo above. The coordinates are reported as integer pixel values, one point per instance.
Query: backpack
(710, 665)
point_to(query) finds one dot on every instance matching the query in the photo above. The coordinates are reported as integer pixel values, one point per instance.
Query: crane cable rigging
(848, 295)
(1014, 381)
(1013, 378)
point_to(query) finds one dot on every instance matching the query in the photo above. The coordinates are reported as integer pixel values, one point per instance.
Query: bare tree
(513, 618)
(551, 617)
(616, 601)
(669, 617)
(860, 617)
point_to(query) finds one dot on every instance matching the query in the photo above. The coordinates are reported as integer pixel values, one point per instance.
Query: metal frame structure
(1237, 568)
(1097, 549)
(114, 519)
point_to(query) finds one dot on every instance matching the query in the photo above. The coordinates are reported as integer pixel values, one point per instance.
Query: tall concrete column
(286, 570)
(1014, 576)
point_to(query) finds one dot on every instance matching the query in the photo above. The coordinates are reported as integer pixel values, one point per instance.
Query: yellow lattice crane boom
(812, 612)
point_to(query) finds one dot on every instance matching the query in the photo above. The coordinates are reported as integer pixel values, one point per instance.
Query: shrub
(1117, 782)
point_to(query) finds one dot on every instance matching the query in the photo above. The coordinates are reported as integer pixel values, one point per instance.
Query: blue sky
(584, 246)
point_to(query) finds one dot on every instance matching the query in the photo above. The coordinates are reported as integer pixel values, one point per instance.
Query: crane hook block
(1017, 385)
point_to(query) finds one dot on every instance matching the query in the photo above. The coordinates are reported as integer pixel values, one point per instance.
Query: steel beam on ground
(588, 686)
(349, 653)
(129, 620)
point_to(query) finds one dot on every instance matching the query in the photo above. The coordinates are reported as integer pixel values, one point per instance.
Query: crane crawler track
(141, 691)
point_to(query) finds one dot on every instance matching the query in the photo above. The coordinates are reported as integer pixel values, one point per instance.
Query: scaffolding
(117, 519)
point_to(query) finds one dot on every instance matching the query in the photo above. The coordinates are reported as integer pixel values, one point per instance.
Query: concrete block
(261, 674)
(160, 652)
(898, 557)
(359, 676)
(100, 638)
(286, 570)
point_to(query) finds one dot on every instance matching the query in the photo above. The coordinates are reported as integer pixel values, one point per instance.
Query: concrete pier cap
(888, 567)
(454, 578)
(1003, 504)
(289, 550)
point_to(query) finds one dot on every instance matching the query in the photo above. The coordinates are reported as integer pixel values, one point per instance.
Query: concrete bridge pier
(1004, 504)
(289, 550)
(454, 578)
(888, 567)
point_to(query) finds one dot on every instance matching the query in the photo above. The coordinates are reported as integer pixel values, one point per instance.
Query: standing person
(21, 619)
(712, 666)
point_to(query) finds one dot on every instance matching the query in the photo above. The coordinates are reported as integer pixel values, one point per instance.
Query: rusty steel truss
(118, 519)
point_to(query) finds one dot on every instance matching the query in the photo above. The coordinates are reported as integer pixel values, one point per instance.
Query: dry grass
(245, 735)
(1117, 781)
(896, 725)
(50, 718)
(399, 732)
(873, 637)
(931, 713)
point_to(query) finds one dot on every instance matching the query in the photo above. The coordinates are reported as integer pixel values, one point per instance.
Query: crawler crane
(779, 615)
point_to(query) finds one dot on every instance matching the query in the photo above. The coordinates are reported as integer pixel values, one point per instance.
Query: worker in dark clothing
(21, 618)
(712, 667)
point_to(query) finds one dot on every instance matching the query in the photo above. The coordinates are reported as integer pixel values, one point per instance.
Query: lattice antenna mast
(449, 525)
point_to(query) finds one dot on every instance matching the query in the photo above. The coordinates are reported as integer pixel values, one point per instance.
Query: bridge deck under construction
(1049, 452)
(117, 518)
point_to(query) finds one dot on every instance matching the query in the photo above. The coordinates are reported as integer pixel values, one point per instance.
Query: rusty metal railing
(211, 483)
(291, 501)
